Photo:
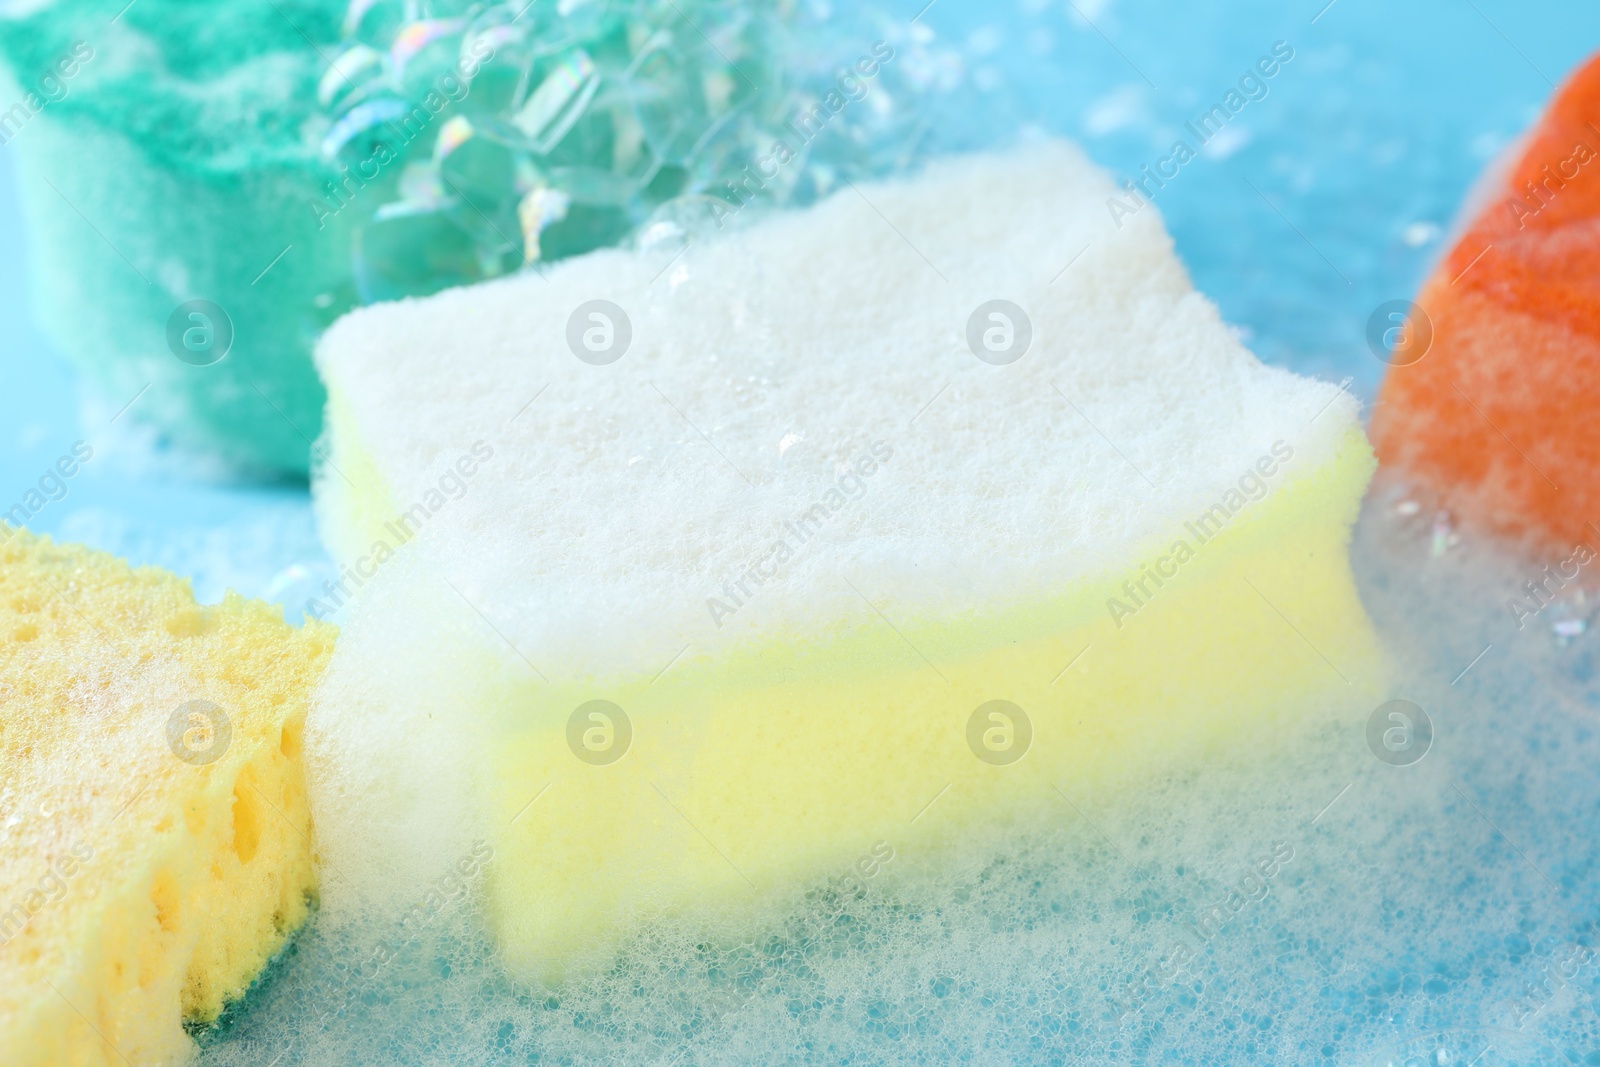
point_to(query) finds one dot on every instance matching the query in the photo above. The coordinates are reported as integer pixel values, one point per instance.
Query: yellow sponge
(687, 582)
(157, 835)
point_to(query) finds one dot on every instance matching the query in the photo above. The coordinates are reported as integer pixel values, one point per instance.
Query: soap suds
(1427, 912)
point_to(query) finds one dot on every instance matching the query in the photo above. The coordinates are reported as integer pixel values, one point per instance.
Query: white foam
(1429, 911)
(761, 363)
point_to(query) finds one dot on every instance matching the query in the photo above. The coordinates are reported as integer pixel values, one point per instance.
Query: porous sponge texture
(1496, 416)
(155, 858)
(613, 536)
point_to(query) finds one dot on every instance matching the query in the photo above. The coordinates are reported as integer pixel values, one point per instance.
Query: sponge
(157, 848)
(196, 120)
(1488, 404)
(687, 583)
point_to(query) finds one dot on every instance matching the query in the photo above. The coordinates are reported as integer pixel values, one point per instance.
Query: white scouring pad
(687, 578)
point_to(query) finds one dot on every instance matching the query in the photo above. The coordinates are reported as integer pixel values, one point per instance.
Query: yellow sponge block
(157, 834)
(785, 763)
(690, 581)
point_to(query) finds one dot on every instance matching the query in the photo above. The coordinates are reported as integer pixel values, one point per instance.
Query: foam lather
(157, 850)
(799, 578)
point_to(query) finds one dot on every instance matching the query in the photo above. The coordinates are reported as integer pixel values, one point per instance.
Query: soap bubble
(548, 130)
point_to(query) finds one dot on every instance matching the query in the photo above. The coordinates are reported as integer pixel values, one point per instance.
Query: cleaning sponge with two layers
(686, 579)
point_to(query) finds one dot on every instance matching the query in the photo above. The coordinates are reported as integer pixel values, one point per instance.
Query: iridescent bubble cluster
(477, 140)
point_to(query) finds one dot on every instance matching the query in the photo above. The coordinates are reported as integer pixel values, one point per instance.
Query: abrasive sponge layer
(158, 851)
(534, 531)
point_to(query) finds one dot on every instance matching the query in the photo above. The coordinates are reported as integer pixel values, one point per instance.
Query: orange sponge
(1497, 413)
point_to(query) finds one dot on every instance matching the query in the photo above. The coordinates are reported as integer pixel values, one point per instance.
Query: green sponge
(172, 165)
